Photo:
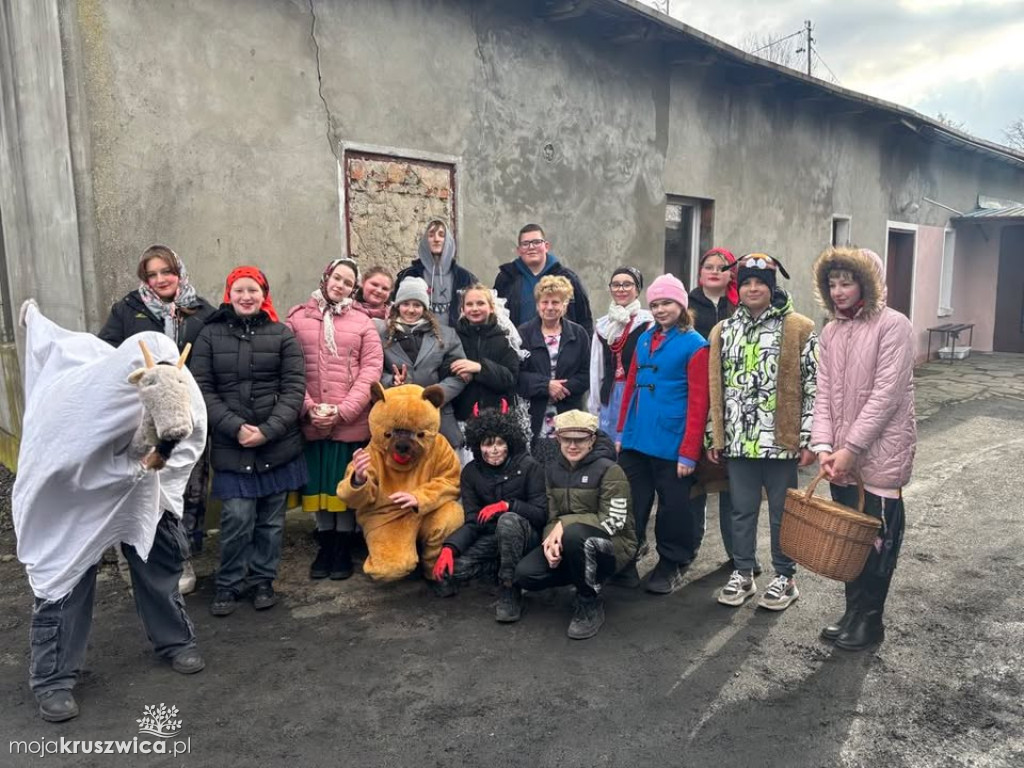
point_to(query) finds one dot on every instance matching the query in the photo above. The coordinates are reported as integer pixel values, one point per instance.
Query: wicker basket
(827, 537)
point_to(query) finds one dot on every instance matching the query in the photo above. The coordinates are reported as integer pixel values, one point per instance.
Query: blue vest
(656, 412)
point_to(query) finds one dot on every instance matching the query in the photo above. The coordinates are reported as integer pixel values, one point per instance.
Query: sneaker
(666, 578)
(264, 596)
(757, 566)
(739, 587)
(510, 605)
(780, 593)
(587, 617)
(187, 581)
(224, 603)
(57, 706)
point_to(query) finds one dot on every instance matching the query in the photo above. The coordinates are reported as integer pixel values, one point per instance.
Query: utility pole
(808, 46)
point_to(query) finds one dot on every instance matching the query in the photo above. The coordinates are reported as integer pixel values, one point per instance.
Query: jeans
(251, 532)
(60, 628)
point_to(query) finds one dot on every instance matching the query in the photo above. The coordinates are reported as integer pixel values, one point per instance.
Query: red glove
(445, 565)
(491, 510)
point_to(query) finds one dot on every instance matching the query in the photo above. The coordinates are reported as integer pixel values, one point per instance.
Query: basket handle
(860, 491)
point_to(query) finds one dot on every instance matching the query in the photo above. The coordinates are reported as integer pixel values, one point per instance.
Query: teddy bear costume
(407, 454)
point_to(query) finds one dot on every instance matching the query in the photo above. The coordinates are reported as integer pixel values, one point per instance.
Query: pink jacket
(865, 399)
(343, 380)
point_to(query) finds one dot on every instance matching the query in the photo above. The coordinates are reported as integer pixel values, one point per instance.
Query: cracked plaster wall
(214, 127)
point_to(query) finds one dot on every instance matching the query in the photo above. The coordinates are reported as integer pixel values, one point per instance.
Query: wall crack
(320, 81)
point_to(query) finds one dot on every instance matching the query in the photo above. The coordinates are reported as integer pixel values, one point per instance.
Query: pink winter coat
(343, 380)
(865, 399)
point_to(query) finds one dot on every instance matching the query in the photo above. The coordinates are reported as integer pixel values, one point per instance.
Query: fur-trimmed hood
(867, 269)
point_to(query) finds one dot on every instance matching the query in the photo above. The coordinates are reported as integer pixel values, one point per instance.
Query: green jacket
(594, 492)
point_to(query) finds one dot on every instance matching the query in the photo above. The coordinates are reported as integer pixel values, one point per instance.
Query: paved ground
(357, 674)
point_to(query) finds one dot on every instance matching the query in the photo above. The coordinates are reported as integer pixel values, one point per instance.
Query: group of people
(568, 428)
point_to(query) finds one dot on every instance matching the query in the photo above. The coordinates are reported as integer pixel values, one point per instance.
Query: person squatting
(501, 435)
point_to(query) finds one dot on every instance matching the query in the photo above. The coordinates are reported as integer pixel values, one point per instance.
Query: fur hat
(576, 424)
(670, 287)
(413, 289)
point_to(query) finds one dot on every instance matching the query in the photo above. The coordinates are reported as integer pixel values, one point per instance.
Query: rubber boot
(832, 631)
(321, 567)
(341, 561)
(865, 628)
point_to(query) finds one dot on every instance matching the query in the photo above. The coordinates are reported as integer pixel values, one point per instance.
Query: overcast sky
(964, 58)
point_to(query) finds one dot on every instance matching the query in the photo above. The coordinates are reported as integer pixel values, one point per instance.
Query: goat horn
(146, 355)
(184, 354)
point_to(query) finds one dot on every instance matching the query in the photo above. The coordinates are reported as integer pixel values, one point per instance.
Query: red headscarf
(731, 294)
(253, 274)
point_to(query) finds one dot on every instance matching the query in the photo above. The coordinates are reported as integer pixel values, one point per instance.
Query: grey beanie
(413, 289)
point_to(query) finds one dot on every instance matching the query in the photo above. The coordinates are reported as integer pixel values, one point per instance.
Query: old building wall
(221, 135)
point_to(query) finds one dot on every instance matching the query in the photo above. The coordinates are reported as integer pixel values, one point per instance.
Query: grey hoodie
(438, 274)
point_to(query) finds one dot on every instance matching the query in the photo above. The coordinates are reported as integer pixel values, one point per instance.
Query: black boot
(321, 566)
(865, 628)
(587, 618)
(510, 604)
(341, 562)
(832, 631)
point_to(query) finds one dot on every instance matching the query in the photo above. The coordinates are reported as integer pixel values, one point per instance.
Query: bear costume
(407, 455)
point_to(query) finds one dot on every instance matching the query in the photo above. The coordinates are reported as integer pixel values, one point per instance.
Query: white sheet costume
(77, 490)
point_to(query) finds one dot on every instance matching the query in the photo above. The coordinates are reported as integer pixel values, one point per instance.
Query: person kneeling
(590, 533)
(504, 497)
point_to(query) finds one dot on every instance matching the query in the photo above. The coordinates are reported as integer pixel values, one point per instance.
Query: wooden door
(1009, 330)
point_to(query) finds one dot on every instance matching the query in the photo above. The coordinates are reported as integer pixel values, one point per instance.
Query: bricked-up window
(388, 202)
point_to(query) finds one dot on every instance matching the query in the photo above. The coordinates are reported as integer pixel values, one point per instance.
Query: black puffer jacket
(488, 345)
(250, 372)
(705, 314)
(520, 482)
(130, 316)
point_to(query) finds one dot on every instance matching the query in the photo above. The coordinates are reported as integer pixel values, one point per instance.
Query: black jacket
(250, 372)
(508, 285)
(462, 278)
(535, 371)
(608, 358)
(706, 315)
(130, 316)
(520, 482)
(488, 345)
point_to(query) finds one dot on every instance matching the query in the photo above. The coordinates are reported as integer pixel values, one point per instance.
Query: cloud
(964, 58)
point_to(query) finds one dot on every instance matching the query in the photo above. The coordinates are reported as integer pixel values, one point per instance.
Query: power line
(834, 77)
(776, 42)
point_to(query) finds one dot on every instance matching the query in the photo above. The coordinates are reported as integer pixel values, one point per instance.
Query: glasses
(566, 440)
(621, 286)
(527, 244)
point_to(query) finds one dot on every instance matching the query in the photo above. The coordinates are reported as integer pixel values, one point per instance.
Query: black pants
(498, 553)
(588, 560)
(679, 526)
(882, 560)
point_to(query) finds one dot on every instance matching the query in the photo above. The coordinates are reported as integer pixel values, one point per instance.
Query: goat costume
(80, 491)
(407, 454)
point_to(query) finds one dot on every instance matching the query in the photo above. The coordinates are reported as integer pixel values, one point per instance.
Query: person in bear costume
(404, 485)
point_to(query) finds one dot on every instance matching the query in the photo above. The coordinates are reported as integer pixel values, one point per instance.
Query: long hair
(392, 327)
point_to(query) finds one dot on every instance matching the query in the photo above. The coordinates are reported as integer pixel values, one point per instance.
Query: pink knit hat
(668, 287)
